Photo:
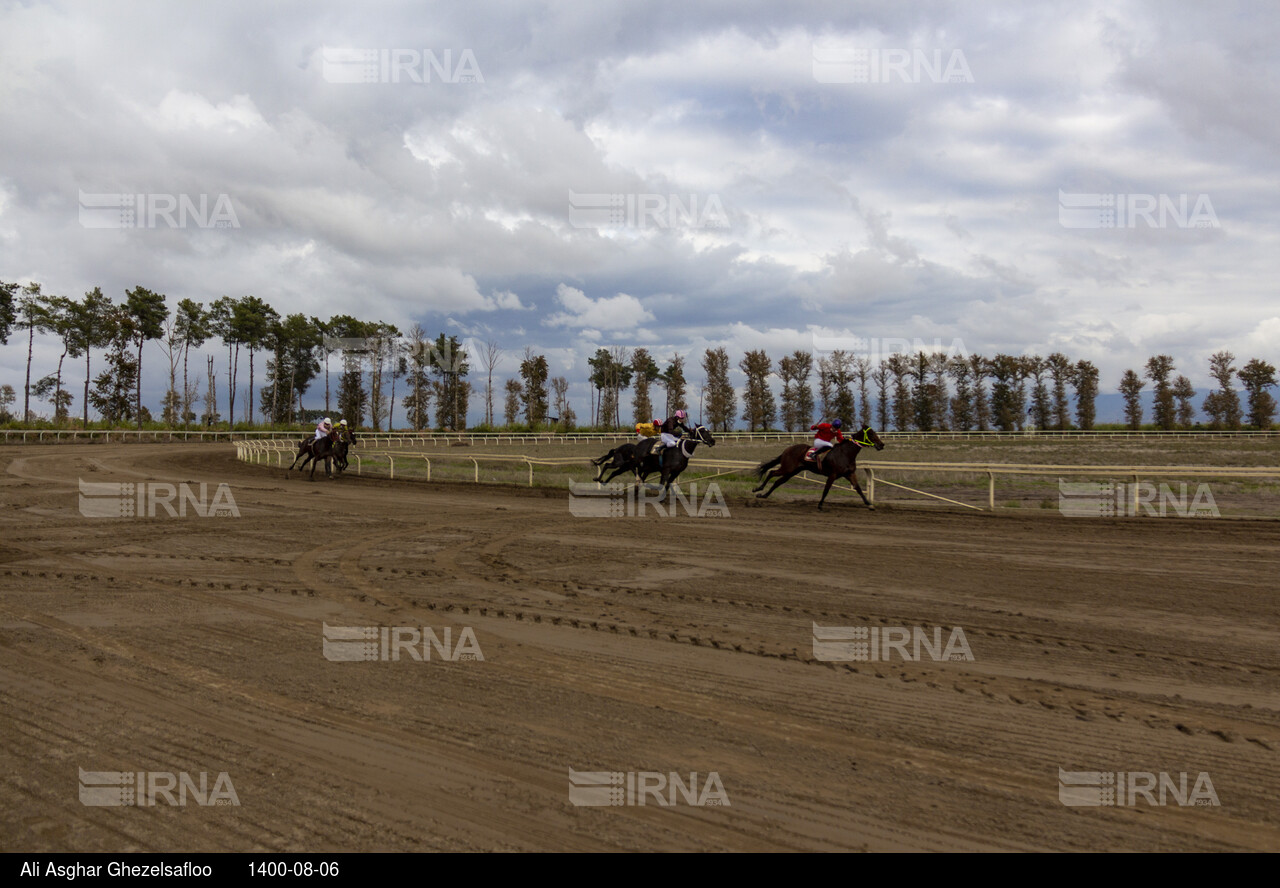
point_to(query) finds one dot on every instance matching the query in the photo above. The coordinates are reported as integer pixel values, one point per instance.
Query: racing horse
(838, 461)
(670, 462)
(345, 441)
(316, 449)
(623, 458)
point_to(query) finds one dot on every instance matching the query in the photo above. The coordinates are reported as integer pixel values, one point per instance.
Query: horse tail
(766, 466)
(602, 460)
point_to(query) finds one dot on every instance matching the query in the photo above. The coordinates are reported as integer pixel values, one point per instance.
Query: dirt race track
(641, 644)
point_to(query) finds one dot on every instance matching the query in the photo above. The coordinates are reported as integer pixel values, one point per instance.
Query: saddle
(814, 456)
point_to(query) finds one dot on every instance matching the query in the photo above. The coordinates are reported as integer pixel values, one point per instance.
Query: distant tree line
(375, 363)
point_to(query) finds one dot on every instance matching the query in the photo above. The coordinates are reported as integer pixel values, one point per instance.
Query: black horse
(623, 458)
(669, 462)
(345, 442)
(316, 449)
(839, 461)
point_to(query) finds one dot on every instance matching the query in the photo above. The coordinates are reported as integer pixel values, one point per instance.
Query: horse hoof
(871, 507)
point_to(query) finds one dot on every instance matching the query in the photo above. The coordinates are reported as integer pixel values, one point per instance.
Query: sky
(1098, 179)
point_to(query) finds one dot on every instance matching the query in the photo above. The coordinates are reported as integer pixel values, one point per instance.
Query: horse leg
(764, 479)
(782, 479)
(831, 479)
(600, 464)
(775, 473)
(853, 479)
(616, 473)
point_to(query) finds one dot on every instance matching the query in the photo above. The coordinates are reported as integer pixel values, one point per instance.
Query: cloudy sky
(858, 172)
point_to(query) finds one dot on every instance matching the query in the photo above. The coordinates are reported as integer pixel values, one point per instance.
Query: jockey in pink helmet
(671, 428)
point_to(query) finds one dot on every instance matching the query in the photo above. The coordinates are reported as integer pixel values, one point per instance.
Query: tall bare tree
(490, 358)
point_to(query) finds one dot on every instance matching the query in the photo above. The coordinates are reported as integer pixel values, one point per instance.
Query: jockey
(323, 428)
(342, 428)
(827, 431)
(648, 429)
(670, 427)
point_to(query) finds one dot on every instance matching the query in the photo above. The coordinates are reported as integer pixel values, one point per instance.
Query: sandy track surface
(628, 645)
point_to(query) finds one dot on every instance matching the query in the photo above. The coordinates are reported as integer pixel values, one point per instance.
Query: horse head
(704, 436)
(868, 438)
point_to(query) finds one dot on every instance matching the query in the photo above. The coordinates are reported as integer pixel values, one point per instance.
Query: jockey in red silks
(828, 436)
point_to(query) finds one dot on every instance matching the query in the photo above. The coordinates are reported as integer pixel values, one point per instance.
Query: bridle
(865, 440)
(699, 437)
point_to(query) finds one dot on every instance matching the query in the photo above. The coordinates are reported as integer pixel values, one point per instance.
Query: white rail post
(991, 490)
(1135, 496)
(391, 460)
(476, 463)
(871, 485)
(530, 462)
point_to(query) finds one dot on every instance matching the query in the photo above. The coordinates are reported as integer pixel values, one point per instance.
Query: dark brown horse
(346, 441)
(839, 461)
(316, 449)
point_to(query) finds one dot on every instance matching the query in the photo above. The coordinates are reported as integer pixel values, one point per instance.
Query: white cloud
(612, 313)
(182, 110)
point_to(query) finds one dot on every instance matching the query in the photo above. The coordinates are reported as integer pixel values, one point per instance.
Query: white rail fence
(260, 452)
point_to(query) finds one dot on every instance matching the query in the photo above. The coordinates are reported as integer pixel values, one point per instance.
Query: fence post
(530, 462)
(476, 463)
(871, 485)
(391, 461)
(1135, 496)
(991, 490)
